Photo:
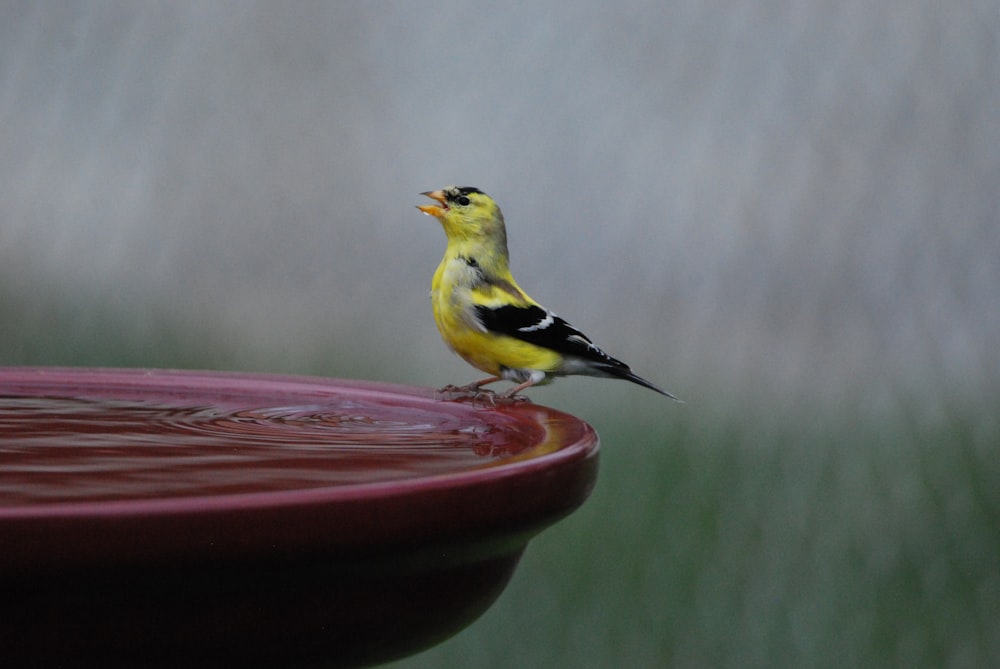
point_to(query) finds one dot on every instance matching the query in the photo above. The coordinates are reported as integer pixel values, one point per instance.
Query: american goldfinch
(485, 317)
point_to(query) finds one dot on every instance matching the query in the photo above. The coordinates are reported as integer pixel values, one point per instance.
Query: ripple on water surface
(92, 448)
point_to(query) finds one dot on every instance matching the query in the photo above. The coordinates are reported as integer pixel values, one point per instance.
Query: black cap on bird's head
(467, 213)
(449, 196)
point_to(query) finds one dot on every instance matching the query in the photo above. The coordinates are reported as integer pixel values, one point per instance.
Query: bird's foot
(453, 392)
(471, 394)
(478, 396)
(513, 398)
(452, 389)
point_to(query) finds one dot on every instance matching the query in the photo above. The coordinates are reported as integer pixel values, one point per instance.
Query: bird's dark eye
(462, 200)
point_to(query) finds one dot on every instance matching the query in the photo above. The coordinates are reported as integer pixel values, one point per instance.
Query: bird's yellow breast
(455, 293)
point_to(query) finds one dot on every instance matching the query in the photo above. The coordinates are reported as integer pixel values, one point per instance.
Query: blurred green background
(785, 213)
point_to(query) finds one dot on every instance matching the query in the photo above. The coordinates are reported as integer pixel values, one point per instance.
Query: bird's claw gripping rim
(478, 396)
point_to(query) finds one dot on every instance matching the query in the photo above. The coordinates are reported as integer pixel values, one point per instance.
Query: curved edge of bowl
(300, 578)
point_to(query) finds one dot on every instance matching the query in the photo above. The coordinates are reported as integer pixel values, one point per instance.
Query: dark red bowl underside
(379, 543)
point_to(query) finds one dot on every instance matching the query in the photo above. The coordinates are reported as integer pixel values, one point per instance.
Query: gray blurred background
(786, 213)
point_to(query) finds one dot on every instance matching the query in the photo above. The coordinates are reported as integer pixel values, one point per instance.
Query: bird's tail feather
(635, 378)
(622, 371)
(616, 369)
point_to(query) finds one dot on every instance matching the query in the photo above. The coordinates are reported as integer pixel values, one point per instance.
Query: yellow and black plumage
(485, 317)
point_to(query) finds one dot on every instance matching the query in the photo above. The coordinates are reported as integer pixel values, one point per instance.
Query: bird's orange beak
(433, 209)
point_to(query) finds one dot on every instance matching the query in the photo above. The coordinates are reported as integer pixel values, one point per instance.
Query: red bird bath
(165, 518)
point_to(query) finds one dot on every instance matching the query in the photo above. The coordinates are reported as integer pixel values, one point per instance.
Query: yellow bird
(485, 317)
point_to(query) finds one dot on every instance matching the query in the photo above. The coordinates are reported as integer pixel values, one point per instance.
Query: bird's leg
(473, 391)
(512, 394)
(470, 388)
(477, 393)
(476, 385)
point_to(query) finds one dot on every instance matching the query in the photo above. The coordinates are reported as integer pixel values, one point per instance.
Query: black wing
(541, 327)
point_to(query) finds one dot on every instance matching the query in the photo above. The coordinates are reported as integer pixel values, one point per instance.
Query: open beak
(433, 209)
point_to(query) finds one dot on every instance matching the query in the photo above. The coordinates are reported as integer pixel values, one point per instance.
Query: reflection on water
(90, 448)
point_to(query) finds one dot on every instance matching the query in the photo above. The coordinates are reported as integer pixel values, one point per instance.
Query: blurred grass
(761, 541)
(75, 328)
(724, 532)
